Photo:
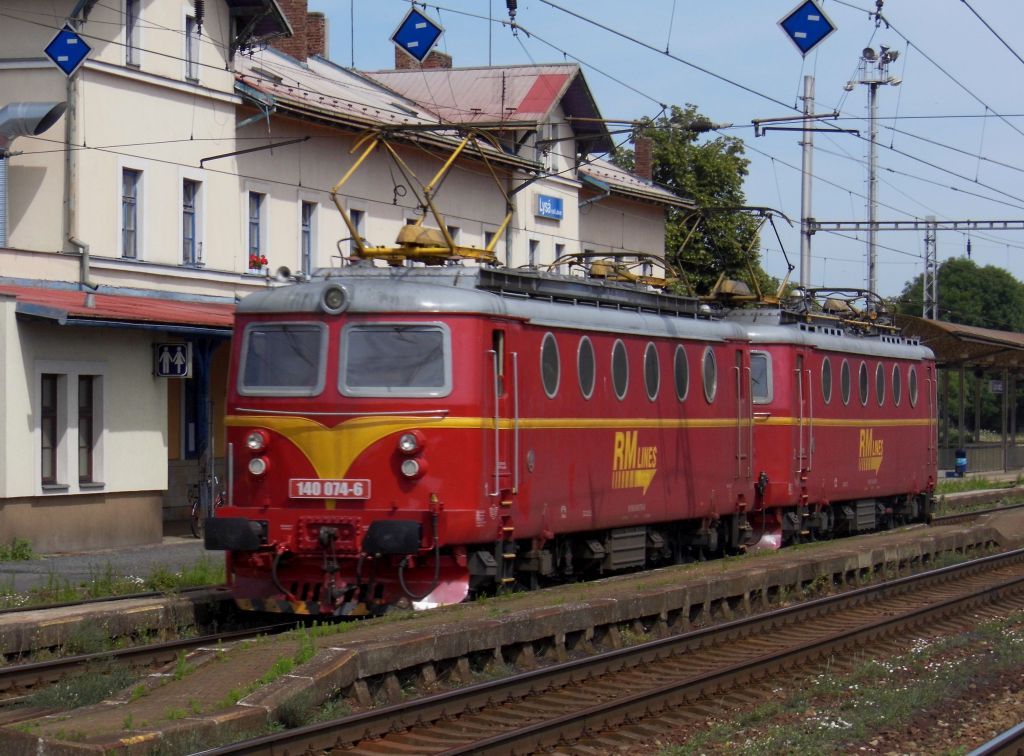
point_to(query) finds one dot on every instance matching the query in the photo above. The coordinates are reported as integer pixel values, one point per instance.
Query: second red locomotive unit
(412, 436)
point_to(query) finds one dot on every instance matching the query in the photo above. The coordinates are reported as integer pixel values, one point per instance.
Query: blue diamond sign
(807, 25)
(67, 50)
(417, 34)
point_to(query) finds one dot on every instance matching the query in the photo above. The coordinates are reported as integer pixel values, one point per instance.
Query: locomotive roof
(558, 302)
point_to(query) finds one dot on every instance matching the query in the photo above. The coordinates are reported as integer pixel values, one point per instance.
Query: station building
(189, 161)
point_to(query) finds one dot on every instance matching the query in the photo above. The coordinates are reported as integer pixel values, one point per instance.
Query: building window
(456, 233)
(130, 183)
(48, 439)
(191, 49)
(559, 254)
(131, 31)
(534, 247)
(86, 428)
(191, 247)
(257, 230)
(306, 221)
(358, 218)
(488, 238)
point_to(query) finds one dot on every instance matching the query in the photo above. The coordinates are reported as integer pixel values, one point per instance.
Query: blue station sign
(417, 34)
(807, 26)
(550, 207)
(67, 50)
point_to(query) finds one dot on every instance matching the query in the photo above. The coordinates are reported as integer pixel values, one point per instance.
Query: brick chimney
(316, 34)
(643, 158)
(405, 62)
(309, 31)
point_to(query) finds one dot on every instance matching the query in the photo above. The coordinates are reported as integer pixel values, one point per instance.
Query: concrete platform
(227, 693)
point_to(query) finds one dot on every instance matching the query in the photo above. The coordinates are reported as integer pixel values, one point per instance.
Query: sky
(950, 135)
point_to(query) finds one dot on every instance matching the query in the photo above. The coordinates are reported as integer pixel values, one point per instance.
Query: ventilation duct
(21, 119)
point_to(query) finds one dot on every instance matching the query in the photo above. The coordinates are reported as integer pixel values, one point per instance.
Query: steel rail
(394, 718)
(1008, 743)
(185, 592)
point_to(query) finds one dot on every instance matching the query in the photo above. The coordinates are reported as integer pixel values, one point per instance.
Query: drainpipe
(70, 209)
(3, 198)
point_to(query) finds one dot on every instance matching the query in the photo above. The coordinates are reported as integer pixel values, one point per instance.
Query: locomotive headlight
(258, 465)
(256, 441)
(410, 468)
(334, 299)
(409, 443)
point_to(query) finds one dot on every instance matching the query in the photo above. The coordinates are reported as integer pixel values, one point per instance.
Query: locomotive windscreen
(395, 358)
(283, 359)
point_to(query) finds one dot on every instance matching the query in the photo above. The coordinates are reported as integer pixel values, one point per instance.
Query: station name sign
(550, 207)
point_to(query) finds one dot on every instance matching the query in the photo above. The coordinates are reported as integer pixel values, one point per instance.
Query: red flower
(257, 261)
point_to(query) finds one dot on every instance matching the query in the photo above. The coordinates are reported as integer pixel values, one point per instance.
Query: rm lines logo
(869, 456)
(633, 466)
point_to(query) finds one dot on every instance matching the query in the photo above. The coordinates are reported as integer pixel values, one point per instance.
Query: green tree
(983, 296)
(969, 294)
(711, 173)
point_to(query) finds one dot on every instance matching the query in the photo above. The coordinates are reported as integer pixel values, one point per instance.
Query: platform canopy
(958, 345)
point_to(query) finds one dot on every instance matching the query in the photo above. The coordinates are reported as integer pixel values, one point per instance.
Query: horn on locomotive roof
(620, 266)
(433, 246)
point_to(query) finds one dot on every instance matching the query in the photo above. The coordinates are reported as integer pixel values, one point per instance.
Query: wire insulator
(511, 5)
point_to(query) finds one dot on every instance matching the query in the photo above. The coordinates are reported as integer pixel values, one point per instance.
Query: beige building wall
(615, 225)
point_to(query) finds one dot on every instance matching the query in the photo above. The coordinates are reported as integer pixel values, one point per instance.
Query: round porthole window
(585, 366)
(652, 371)
(880, 384)
(826, 380)
(682, 373)
(897, 385)
(620, 369)
(862, 382)
(912, 386)
(709, 368)
(844, 381)
(549, 365)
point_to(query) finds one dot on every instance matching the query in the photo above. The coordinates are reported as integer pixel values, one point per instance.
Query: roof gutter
(593, 183)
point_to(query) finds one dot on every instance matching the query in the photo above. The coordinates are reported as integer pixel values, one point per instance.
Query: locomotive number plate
(317, 488)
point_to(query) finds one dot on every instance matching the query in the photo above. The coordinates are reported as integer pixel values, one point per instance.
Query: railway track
(959, 517)
(185, 592)
(19, 681)
(663, 683)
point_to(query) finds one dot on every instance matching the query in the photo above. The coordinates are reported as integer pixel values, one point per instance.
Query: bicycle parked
(199, 510)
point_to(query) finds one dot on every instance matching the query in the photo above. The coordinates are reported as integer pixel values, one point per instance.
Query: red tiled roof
(127, 309)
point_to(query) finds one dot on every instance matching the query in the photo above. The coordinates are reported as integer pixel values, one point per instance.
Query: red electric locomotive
(409, 436)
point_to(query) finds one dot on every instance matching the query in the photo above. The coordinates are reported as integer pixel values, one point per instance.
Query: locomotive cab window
(283, 359)
(760, 377)
(709, 369)
(549, 365)
(585, 366)
(395, 359)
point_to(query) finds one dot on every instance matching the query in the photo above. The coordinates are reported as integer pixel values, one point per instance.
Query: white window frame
(132, 36)
(129, 164)
(191, 43)
(199, 176)
(67, 426)
(533, 253)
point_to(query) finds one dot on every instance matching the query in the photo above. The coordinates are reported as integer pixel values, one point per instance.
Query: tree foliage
(969, 294)
(711, 173)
